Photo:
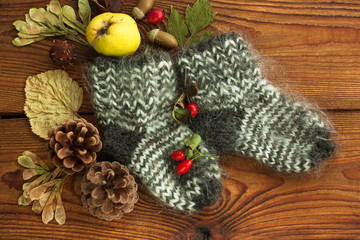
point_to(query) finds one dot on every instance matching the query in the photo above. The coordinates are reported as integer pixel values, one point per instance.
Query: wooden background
(310, 47)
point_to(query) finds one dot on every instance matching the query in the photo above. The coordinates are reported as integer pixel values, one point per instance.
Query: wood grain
(310, 48)
(316, 44)
(256, 202)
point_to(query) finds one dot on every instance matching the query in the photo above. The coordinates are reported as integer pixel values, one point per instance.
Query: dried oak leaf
(51, 98)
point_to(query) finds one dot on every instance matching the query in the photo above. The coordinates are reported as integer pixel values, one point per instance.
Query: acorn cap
(143, 7)
(137, 13)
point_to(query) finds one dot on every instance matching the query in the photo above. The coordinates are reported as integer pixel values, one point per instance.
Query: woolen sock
(240, 111)
(133, 98)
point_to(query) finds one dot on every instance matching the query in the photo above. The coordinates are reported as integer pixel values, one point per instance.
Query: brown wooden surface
(309, 47)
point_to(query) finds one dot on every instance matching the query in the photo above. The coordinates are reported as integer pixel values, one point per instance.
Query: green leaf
(69, 18)
(30, 21)
(183, 115)
(52, 19)
(84, 11)
(37, 15)
(25, 185)
(26, 162)
(192, 141)
(69, 13)
(24, 35)
(31, 28)
(25, 41)
(199, 16)
(54, 7)
(19, 24)
(177, 27)
(190, 154)
(199, 38)
(70, 24)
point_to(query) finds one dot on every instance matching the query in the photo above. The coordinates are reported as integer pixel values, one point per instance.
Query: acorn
(142, 8)
(162, 38)
(62, 53)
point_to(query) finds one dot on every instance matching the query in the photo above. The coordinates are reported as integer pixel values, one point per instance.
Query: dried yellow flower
(51, 98)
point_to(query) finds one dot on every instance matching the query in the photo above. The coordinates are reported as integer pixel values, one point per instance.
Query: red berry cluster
(184, 166)
(184, 110)
(191, 142)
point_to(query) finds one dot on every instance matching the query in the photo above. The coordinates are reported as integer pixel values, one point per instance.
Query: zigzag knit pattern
(240, 111)
(133, 98)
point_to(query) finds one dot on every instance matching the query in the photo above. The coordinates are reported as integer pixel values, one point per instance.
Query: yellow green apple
(113, 34)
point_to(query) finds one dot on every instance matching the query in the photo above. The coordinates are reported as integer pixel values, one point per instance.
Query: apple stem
(103, 30)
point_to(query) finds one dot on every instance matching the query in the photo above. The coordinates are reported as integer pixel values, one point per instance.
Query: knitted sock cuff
(132, 90)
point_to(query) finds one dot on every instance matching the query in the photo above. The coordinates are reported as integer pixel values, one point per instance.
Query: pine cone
(73, 145)
(108, 190)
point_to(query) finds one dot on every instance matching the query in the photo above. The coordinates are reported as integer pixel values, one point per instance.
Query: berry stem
(203, 155)
(198, 152)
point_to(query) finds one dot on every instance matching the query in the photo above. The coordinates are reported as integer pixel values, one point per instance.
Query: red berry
(155, 16)
(178, 155)
(193, 108)
(184, 167)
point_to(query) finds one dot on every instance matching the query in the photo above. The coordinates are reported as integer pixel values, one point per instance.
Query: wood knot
(13, 179)
(203, 233)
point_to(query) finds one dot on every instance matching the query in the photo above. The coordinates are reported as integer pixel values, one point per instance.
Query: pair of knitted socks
(239, 111)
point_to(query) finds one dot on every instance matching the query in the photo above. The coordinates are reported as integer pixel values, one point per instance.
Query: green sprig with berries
(184, 111)
(191, 142)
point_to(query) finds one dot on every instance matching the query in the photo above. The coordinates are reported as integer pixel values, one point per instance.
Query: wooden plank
(256, 202)
(315, 47)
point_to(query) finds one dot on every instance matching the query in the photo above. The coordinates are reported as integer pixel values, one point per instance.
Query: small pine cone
(73, 145)
(108, 190)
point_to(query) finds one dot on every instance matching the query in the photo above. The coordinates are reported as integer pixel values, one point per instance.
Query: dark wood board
(309, 48)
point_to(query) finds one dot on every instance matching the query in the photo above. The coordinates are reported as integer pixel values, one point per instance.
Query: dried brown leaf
(33, 185)
(29, 173)
(44, 199)
(51, 97)
(24, 201)
(36, 159)
(38, 192)
(48, 211)
(60, 215)
(36, 207)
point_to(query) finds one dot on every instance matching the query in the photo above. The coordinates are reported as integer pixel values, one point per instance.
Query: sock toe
(323, 147)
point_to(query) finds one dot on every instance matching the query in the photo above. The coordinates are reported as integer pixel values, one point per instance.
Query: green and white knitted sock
(133, 98)
(240, 111)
